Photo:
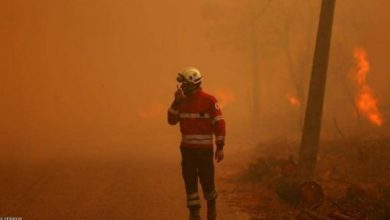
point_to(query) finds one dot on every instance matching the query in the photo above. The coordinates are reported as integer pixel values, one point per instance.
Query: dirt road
(99, 183)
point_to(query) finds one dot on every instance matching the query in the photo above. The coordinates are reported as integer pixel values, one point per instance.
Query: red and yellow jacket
(200, 119)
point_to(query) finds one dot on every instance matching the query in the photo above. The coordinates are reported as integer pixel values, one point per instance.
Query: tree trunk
(255, 71)
(312, 124)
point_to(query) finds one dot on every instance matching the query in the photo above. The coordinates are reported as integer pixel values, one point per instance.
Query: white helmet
(191, 75)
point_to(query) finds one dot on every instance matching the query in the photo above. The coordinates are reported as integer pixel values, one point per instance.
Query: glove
(219, 155)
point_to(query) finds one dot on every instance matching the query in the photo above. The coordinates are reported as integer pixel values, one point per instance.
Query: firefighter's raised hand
(179, 95)
(219, 155)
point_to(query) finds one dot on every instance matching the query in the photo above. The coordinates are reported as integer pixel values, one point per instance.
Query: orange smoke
(293, 100)
(365, 99)
(153, 110)
(224, 96)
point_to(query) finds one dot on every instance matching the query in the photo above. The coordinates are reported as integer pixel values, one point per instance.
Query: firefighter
(200, 119)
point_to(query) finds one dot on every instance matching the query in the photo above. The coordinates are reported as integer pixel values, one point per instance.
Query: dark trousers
(198, 164)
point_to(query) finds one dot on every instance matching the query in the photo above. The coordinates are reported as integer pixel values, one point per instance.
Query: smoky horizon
(83, 75)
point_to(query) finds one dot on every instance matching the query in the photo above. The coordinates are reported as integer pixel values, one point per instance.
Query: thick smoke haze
(79, 74)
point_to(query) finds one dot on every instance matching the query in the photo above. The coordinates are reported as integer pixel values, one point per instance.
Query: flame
(365, 100)
(293, 100)
(363, 66)
(224, 96)
(152, 110)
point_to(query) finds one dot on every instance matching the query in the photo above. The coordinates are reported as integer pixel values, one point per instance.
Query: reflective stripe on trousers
(193, 199)
(211, 195)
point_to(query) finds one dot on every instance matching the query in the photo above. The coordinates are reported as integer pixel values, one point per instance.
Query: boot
(211, 210)
(194, 213)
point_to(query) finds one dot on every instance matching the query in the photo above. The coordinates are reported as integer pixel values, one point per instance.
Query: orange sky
(105, 70)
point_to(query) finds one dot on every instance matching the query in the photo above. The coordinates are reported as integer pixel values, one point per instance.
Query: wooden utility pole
(312, 124)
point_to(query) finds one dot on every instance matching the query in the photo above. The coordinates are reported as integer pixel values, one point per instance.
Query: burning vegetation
(293, 100)
(366, 101)
(224, 96)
